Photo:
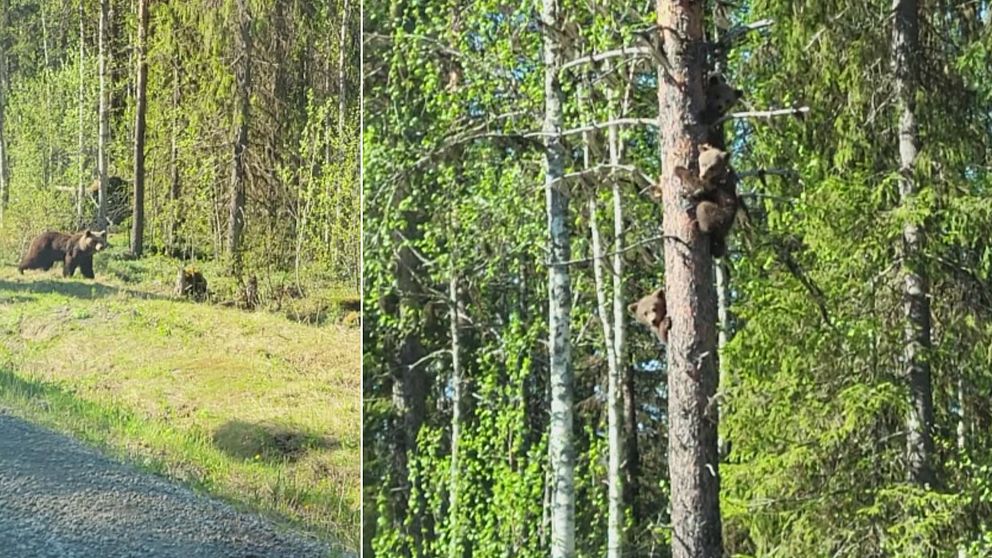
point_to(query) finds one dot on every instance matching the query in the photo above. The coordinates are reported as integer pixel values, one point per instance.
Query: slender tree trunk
(4, 171)
(560, 444)
(916, 295)
(454, 511)
(103, 142)
(342, 75)
(138, 219)
(614, 520)
(175, 186)
(81, 185)
(692, 342)
(46, 77)
(614, 409)
(236, 217)
(632, 463)
(723, 335)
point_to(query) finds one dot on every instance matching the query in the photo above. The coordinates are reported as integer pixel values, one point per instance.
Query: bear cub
(714, 189)
(650, 310)
(73, 250)
(720, 98)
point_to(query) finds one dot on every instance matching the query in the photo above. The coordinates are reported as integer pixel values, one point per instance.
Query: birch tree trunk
(4, 171)
(560, 443)
(138, 218)
(614, 500)
(614, 410)
(236, 216)
(456, 310)
(103, 141)
(689, 287)
(916, 296)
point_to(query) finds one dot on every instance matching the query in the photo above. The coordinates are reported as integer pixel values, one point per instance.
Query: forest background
(855, 338)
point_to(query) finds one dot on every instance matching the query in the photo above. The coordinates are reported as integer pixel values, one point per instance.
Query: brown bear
(720, 98)
(74, 250)
(715, 191)
(650, 310)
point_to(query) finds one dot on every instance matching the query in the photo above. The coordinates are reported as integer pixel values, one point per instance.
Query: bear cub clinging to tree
(651, 311)
(715, 192)
(73, 250)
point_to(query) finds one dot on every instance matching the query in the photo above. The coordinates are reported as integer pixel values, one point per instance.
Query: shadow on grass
(268, 441)
(85, 289)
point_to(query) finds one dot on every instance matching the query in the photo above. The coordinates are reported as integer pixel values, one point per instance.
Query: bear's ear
(714, 79)
(632, 308)
(87, 232)
(739, 93)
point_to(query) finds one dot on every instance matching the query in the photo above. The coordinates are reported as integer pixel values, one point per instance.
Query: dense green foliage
(813, 408)
(302, 209)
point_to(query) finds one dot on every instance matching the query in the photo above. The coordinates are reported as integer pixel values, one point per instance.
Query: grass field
(255, 407)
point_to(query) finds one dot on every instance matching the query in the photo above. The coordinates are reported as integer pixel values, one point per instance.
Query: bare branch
(795, 111)
(632, 52)
(639, 175)
(653, 122)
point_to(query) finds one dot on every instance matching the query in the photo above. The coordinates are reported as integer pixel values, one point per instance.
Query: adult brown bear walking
(73, 250)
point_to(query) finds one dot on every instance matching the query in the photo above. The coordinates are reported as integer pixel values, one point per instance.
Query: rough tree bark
(103, 141)
(916, 296)
(689, 287)
(236, 214)
(138, 217)
(560, 445)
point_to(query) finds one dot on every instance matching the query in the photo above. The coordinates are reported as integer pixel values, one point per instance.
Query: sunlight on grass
(253, 407)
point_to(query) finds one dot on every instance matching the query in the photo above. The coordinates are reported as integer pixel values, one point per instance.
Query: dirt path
(60, 499)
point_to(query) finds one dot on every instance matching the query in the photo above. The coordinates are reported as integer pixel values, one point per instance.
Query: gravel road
(60, 499)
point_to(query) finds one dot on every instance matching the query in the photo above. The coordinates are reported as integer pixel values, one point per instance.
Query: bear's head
(713, 162)
(720, 96)
(650, 310)
(93, 241)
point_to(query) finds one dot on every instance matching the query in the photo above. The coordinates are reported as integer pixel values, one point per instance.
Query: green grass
(253, 407)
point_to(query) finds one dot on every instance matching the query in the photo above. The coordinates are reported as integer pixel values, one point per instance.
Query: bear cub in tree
(73, 250)
(720, 98)
(715, 192)
(650, 310)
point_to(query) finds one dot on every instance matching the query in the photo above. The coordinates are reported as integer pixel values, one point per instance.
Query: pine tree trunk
(103, 141)
(689, 287)
(560, 444)
(236, 213)
(916, 296)
(138, 218)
